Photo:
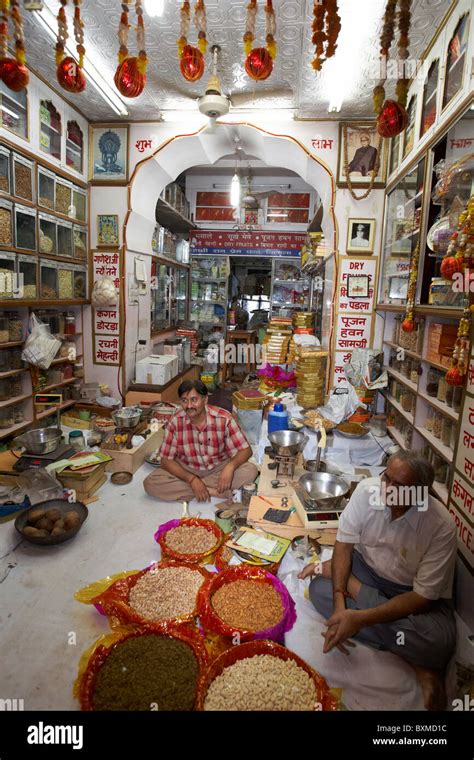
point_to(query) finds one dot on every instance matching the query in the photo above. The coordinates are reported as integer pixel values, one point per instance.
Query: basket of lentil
(143, 669)
(262, 675)
(189, 540)
(248, 601)
(163, 592)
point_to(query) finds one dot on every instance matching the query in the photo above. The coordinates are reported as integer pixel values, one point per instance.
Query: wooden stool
(249, 337)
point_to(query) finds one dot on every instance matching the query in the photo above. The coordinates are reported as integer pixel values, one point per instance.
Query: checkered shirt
(219, 440)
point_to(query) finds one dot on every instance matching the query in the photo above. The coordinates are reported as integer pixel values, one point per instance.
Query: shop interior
(297, 256)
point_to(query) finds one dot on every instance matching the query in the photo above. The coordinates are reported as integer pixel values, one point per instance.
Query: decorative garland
(191, 58)
(408, 324)
(326, 28)
(259, 60)
(13, 71)
(346, 165)
(392, 116)
(456, 375)
(460, 253)
(70, 74)
(130, 76)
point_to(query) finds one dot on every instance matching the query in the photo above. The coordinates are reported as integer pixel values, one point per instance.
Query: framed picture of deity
(107, 231)
(108, 163)
(362, 157)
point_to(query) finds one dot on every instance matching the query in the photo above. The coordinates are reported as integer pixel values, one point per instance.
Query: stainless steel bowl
(64, 506)
(287, 443)
(40, 441)
(311, 466)
(323, 490)
(126, 420)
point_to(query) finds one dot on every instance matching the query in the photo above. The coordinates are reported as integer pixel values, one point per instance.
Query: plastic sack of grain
(161, 593)
(283, 614)
(104, 293)
(192, 546)
(141, 678)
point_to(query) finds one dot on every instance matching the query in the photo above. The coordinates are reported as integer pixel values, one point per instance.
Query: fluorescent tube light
(10, 113)
(155, 7)
(47, 20)
(235, 191)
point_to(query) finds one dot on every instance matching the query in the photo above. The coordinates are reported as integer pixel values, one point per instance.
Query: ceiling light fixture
(235, 191)
(155, 7)
(47, 20)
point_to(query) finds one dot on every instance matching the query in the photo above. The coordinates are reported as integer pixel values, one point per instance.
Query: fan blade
(242, 99)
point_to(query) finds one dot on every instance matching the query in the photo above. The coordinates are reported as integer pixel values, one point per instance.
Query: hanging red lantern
(15, 75)
(70, 75)
(191, 63)
(454, 377)
(129, 81)
(408, 325)
(392, 119)
(259, 64)
(450, 265)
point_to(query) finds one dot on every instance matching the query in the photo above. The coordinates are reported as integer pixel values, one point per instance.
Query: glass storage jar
(4, 335)
(437, 424)
(76, 440)
(23, 177)
(414, 372)
(5, 360)
(457, 397)
(47, 242)
(49, 280)
(46, 185)
(432, 382)
(65, 238)
(16, 362)
(449, 395)
(18, 415)
(70, 324)
(440, 469)
(16, 387)
(65, 282)
(446, 426)
(4, 170)
(4, 389)
(442, 389)
(28, 270)
(80, 243)
(15, 327)
(79, 203)
(25, 227)
(6, 226)
(63, 200)
(429, 420)
(80, 283)
(7, 418)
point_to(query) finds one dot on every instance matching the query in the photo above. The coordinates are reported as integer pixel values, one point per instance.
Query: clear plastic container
(63, 199)
(15, 327)
(23, 177)
(16, 387)
(7, 418)
(46, 186)
(28, 270)
(449, 395)
(5, 170)
(65, 282)
(47, 234)
(5, 360)
(6, 222)
(65, 247)
(432, 382)
(5, 389)
(446, 426)
(80, 243)
(457, 397)
(7, 275)
(16, 362)
(25, 227)
(79, 204)
(49, 280)
(429, 419)
(80, 283)
(4, 335)
(437, 425)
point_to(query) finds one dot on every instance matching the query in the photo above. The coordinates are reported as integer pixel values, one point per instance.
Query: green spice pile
(149, 672)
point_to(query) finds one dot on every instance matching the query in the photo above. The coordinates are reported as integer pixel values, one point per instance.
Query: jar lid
(75, 433)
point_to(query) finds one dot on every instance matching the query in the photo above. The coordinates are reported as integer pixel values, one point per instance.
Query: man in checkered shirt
(204, 452)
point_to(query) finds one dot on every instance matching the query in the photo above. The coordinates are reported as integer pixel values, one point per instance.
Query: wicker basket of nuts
(189, 540)
(262, 675)
(248, 601)
(163, 592)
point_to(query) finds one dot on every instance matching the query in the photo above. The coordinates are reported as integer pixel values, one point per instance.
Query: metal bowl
(287, 443)
(323, 490)
(64, 506)
(40, 441)
(360, 434)
(127, 419)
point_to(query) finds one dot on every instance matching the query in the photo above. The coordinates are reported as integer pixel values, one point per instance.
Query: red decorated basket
(198, 557)
(324, 700)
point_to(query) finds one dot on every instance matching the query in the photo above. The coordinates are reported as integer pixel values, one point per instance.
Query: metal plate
(64, 506)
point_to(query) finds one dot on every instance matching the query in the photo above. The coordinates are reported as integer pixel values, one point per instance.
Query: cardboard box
(156, 370)
(129, 460)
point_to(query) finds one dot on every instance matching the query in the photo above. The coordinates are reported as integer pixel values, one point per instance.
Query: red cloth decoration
(392, 119)
(259, 64)
(450, 265)
(15, 75)
(128, 79)
(192, 63)
(70, 75)
(454, 377)
(408, 325)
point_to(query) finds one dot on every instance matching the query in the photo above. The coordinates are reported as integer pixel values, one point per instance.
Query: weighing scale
(35, 461)
(315, 518)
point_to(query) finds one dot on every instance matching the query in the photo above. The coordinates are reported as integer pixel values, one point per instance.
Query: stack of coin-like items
(311, 363)
(276, 340)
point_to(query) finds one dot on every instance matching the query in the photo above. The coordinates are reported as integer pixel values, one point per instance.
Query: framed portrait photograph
(108, 154)
(358, 285)
(365, 152)
(360, 236)
(107, 231)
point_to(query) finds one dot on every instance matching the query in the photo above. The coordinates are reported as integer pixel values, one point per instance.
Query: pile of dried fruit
(248, 605)
(166, 592)
(190, 539)
(50, 522)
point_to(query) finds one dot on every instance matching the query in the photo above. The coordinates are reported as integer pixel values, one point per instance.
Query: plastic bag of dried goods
(205, 556)
(40, 346)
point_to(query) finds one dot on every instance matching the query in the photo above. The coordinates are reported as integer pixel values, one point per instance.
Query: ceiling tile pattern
(293, 83)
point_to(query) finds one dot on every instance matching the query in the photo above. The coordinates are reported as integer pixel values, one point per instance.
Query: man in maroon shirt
(204, 452)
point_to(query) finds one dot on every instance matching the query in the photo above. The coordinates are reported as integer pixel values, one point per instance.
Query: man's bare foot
(433, 687)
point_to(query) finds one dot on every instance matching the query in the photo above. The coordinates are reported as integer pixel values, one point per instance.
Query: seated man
(204, 452)
(401, 548)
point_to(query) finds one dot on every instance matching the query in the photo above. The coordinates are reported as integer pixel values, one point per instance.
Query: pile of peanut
(190, 539)
(166, 592)
(248, 605)
(262, 682)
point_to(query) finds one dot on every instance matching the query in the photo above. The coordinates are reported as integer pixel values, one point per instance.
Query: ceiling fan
(214, 103)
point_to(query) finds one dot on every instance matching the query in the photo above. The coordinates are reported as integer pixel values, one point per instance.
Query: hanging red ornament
(129, 81)
(392, 119)
(191, 63)
(259, 64)
(15, 75)
(450, 265)
(408, 325)
(454, 377)
(70, 75)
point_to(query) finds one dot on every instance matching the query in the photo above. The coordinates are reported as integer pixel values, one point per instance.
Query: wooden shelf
(13, 401)
(440, 491)
(64, 361)
(13, 372)
(390, 307)
(439, 447)
(396, 435)
(14, 428)
(440, 405)
(426, 311)
(48, 388)
(54, 409)
(412, 354)
(396, 405)
(174, 220)
(11, 345)
(402, 379)
(435, 364)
